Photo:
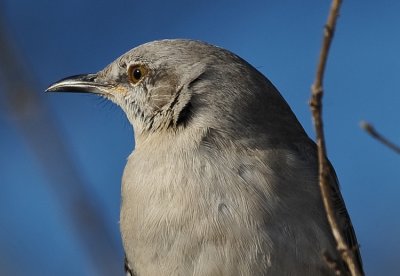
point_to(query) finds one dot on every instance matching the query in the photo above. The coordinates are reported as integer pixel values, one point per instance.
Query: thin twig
(371, 131)
(324, 170)
(333, 264)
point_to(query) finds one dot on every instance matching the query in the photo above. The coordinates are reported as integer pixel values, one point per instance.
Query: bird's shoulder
(296, 159)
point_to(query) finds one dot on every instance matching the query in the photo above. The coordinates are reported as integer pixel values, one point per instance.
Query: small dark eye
(136, 73)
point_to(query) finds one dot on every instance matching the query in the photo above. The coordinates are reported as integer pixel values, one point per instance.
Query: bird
(223, 179)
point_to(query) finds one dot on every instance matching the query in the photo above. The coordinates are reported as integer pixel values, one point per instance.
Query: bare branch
(372, 131)
(324, 169)
(333, 264)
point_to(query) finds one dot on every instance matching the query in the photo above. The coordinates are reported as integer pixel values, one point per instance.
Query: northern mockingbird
(223, 179)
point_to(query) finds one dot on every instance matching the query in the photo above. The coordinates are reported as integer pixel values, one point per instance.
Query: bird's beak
(87, 83)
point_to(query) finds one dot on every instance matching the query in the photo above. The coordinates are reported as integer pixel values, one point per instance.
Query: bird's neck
(171, 140)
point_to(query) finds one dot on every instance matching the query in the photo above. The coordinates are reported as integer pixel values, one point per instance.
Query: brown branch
(332, 264)
(375, 134)
(324, 170)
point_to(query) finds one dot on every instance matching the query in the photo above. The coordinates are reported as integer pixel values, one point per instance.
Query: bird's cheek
(160, 96)
(120, 90)
(118, 95)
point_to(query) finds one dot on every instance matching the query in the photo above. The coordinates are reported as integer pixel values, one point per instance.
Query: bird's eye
(136, 73)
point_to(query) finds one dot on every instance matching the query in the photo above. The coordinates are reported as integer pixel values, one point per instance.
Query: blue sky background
(282, 39)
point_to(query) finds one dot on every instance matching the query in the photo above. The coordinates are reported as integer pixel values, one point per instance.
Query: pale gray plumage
(223, 179)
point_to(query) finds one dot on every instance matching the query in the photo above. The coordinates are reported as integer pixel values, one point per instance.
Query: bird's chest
(157, 203)
(185, 209)
(154, 192)
(162, 198)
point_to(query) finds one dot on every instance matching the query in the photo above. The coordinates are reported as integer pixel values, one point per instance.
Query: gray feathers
(234, 191)
(223, 179)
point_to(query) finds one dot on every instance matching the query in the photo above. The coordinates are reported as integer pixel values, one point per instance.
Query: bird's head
(169, 85)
